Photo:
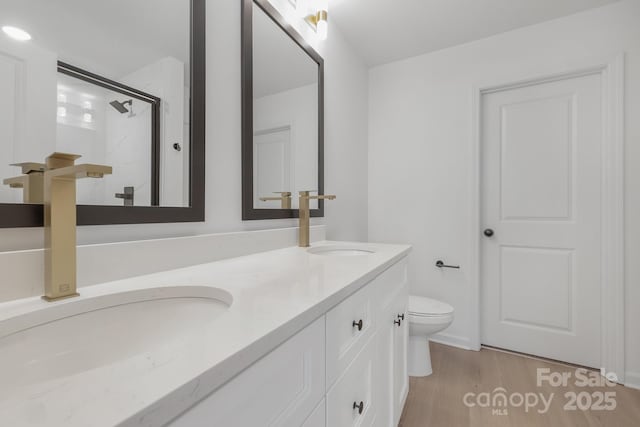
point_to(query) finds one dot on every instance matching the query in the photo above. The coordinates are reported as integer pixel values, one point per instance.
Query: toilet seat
(427, 307)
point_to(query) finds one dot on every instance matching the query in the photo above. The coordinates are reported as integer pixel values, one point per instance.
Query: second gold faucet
(304, 214)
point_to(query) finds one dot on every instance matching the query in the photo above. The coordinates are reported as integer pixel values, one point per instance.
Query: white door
(541, 197)
(272, 169)
(28, 80)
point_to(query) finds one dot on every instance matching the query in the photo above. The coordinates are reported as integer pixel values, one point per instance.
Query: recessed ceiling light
(16, 33)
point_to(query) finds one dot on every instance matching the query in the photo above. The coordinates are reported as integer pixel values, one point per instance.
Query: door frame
(612, 222)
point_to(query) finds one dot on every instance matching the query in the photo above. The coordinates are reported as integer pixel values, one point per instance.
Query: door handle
(441, 264)
(488, 232)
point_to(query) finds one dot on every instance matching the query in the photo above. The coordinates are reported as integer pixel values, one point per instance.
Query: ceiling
(112, 38)
(384, 31)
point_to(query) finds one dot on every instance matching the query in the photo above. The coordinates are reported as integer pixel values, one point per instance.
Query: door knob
(488, 232)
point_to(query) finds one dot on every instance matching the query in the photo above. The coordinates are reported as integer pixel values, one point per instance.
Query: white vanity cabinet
(346, 369)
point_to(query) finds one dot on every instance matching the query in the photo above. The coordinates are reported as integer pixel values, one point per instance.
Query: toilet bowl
(426, 317)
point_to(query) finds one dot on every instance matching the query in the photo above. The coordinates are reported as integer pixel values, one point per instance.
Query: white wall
(420, 128)
(345, 145)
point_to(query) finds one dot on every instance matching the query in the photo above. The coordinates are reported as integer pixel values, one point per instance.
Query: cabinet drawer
(281, 389)
(357, 385)
(350, 325)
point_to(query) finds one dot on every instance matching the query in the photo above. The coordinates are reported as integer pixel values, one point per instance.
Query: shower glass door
(114, 124)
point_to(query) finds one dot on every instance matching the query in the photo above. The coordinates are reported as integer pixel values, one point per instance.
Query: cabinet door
(386, 354)
(353, 400)
(281, 389)
(400, 342)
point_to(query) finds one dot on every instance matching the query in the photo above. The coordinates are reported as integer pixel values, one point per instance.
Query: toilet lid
(421, 306)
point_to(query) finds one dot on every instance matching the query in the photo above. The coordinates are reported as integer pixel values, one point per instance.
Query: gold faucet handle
(283, 195)
(61, 160)
(80, 171)
(28, 167)
(318, 197)
(16, 182)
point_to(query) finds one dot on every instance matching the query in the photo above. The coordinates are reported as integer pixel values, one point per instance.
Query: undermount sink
(79, 335)
(340, 251)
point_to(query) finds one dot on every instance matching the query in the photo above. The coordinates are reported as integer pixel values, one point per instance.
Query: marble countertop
(275, 294)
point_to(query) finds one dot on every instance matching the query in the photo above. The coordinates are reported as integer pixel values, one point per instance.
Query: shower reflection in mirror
(110, 123)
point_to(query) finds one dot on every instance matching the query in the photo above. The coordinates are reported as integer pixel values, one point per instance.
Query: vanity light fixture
(16, 33)
(315, 12)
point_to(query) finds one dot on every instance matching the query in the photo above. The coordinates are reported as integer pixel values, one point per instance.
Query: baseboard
(452, 340)
(632, 380)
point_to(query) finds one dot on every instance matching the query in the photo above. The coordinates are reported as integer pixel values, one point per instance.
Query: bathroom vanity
(291, 337)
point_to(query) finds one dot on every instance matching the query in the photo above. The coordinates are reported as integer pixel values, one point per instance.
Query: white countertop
(275, 294)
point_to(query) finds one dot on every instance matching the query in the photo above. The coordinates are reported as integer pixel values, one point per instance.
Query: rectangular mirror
(120, 83)
(283, 128)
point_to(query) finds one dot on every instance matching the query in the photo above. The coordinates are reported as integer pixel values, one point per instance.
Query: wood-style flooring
(438, 400)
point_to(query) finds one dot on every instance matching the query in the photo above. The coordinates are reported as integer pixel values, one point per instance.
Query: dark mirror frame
(13, 215)
(248, 210)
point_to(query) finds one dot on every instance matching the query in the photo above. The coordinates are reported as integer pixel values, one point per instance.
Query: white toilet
(426, 317)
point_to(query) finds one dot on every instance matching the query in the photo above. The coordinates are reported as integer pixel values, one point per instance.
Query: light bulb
(322, 26)
(62, 112)
(16, 33)
(322, 29)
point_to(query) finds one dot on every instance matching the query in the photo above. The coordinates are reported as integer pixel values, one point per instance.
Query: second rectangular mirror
(282, 141)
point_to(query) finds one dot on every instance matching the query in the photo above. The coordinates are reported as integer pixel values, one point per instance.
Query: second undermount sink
(80, 335)
(337, 250)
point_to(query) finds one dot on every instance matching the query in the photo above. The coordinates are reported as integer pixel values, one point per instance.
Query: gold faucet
(304, 214)
(60, 177)
(31, 182)
(285, 198)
